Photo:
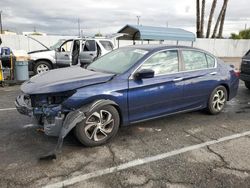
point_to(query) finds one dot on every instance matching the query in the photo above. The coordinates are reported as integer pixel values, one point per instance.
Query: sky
(108, 16)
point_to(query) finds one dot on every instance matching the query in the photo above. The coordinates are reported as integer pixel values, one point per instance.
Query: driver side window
(163, 62)
(66, 46)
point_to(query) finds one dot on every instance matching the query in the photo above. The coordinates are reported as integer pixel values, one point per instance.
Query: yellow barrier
(1, 72)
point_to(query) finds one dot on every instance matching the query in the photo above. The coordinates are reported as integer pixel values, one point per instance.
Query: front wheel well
(104, 102)
(47, 60)
(119, 112)
(39, 62)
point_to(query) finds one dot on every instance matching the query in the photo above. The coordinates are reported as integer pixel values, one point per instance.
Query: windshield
(58, 44)
(118, 61)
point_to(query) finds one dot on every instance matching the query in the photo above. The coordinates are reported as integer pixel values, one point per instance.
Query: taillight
(237, 73)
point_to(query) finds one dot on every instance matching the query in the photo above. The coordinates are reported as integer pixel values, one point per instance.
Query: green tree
(243, 34)
(98, 35)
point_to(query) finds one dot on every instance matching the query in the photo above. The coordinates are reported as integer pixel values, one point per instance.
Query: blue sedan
(129, 85)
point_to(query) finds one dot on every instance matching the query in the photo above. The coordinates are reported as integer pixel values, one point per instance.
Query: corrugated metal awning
(138, 32)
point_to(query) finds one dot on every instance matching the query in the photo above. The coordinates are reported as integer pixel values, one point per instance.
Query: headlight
(50, 99)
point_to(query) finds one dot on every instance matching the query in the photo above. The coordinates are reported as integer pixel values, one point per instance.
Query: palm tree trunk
(203, 4)
(198, 19)
(222, 22)
(211, 18)
(219, 18)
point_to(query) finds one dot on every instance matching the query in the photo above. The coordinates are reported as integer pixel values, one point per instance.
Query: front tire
(247, 84)
(41, 67)
(217, 100)
(100, 126)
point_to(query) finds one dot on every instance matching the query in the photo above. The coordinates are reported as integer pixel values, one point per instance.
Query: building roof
(138, 32)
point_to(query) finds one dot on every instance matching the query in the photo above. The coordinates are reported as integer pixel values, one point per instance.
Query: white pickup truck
(68, 52)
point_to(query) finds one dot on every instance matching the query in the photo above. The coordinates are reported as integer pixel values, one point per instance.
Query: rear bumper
(245, 77)
(22, 105)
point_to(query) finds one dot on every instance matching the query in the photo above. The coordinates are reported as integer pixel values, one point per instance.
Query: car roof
(156, 47)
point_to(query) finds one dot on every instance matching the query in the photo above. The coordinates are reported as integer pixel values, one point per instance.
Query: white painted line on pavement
(141, 161)
(28, 126)
(7, 109)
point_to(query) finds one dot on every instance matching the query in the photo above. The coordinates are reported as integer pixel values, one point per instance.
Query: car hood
(42, 54)
(37, 51)
(63, 79)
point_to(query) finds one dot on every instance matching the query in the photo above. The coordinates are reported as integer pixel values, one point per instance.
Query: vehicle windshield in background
(107, 45)
(118, 61)
(57, 45)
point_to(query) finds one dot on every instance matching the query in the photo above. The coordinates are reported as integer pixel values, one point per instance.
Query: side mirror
(57, 49)
(144, 73)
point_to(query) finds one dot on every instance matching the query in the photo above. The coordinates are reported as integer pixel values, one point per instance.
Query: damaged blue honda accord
(126, 86)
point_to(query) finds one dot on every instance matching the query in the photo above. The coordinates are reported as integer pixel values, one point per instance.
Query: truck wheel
(247, 84)
(41, 67)
(217, 100)
(101, 125)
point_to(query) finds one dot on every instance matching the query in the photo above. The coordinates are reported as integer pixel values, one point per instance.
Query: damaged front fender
(71, 120)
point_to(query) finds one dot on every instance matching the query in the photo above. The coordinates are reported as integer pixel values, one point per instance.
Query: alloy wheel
(42, 68)
(219, 100)
(99, 125)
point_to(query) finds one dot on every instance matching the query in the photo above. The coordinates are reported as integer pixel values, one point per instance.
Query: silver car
(70, 52)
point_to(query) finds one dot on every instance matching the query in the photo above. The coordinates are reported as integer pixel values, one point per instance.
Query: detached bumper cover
(22, 105)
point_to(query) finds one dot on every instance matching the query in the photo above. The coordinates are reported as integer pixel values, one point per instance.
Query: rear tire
(217, 100)
(247, 84)
(41, 67)
(99, 127)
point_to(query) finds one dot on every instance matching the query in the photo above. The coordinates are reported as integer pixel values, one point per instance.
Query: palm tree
(203, 4)
(222, 22)
(198, 23)
(223, 9)
(211, 18)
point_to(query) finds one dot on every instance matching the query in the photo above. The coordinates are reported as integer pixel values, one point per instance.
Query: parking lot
(185, 150)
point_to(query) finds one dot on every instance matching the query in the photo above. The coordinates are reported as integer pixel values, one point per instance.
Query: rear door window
(194, 60)
(90, 45)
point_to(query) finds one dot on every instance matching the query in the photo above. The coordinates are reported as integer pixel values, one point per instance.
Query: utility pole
(245, 26)
(79, 28)
(1, 25)
(138, 20)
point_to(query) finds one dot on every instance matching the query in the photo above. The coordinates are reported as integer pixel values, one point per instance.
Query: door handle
(177, 79)
(213, 73)
(66, 55)
(91, 54)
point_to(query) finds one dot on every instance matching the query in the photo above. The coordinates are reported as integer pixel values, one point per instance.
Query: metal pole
(79, 31)
(1, 25)
(138, 20)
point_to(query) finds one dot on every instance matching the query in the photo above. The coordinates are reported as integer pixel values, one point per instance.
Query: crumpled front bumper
(22, 105)
(53, 118)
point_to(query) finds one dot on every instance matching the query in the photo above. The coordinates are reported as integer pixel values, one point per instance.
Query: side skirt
(165, 115)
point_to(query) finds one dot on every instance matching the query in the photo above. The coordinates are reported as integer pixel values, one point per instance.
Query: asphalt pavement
(186, 150)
